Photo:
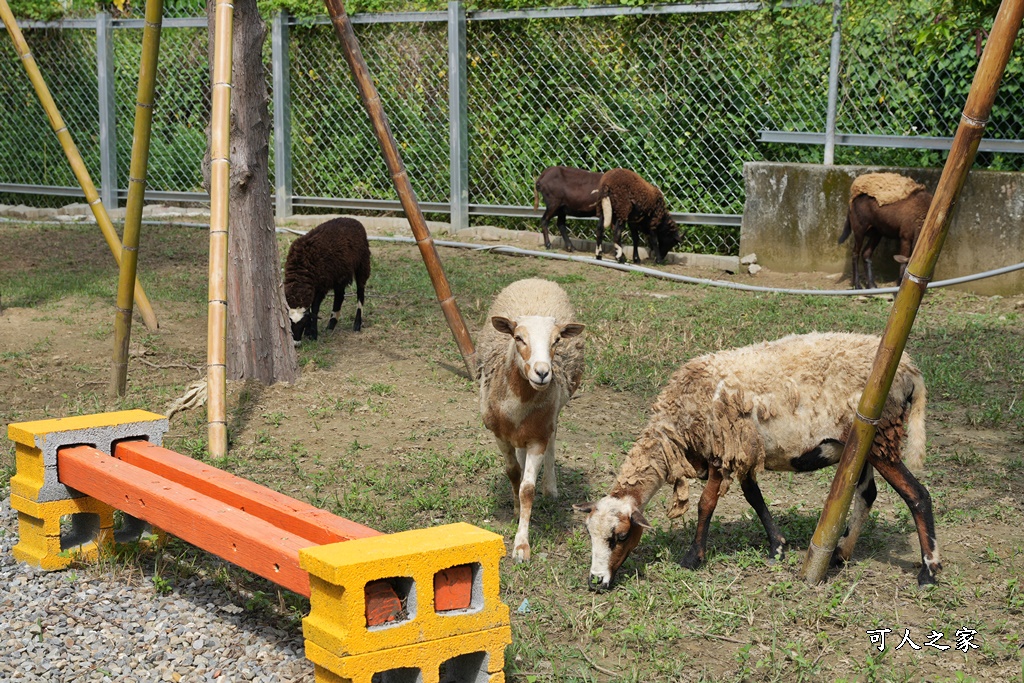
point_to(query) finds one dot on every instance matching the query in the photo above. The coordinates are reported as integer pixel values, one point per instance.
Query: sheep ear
(572, 329)
(899, 258)
(638, 519)
(586, 508)
(503, 325)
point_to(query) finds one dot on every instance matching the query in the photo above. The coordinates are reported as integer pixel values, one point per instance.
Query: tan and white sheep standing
(884, 205)
(531, 364)
(786, 405)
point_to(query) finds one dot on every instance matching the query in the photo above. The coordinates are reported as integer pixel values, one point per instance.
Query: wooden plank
(210, 524)
(278, 509)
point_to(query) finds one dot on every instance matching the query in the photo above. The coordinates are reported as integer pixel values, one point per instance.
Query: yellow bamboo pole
(393, 158)
(908, 299)
(220, 172)
(136, 193)
(74, 158)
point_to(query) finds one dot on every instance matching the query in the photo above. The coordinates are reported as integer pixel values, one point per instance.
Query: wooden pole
(74, 158)
(371, 100)
(908, 299)
(220, 172)
(136, 193)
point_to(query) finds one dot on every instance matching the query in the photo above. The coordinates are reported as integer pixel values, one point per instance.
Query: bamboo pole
(220, 172)
(908, 299)
(74, 158)
(393, 158)
(136, 192)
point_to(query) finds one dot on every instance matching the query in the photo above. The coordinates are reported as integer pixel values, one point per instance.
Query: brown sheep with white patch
(625, 197)
(531, 364)
(786, 405)
(884, 205)
(327, 257)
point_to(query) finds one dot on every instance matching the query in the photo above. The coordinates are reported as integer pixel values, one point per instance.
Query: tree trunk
(259, 344)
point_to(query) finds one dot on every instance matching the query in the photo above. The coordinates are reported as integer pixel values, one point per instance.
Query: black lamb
(327, 257)
(625, 197)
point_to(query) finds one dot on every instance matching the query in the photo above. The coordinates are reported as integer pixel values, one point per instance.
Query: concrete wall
(794, 214)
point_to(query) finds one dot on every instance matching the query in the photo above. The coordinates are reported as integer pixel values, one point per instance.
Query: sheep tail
(846, 230)
(913, 451)
(606, 210)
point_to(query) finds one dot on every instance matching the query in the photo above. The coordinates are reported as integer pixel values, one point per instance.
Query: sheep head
(535, 338)
(615, 526)
(668, 238)
(299, 297)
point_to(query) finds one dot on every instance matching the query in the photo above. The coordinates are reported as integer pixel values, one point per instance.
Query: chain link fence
(682, 98)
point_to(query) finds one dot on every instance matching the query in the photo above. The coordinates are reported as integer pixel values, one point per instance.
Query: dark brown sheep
(567, 191)
(884, 205)
(327, 257)
(625, 197)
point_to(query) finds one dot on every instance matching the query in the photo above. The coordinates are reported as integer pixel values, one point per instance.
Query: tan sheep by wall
(531, 364)
(886, 188)
(785, 405)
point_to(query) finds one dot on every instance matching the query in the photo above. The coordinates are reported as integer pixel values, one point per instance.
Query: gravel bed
(88, 624)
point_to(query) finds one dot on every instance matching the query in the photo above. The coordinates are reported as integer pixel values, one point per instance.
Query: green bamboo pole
(136, 192)
(220, 172)
(393, 158)
(908, 299)
(74, 158)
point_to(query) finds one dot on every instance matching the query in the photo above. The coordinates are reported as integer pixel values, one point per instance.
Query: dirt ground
(385, 404)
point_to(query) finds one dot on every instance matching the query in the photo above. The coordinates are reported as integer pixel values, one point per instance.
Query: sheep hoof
(837, 559)
(692, 560)
(521, 554)
(332, 323)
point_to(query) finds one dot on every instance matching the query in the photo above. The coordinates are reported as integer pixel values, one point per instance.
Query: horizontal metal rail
(893, 141)
(725, 219)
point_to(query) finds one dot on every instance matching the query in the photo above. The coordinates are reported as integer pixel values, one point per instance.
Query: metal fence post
(833, 85)
(108, 109)
(458, 132)
(282, 116)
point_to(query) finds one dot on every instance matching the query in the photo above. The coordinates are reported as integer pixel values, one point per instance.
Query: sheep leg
(874, 237)
(339, 296)
(919, 501)
(705, 509)
(564, 230)
(513, 470)
(858, 242)
(634, 236)
(548, 483)
(521, 545)
(549, 211)
(864, 498)
(599, 232)
(314, 316)
(776, 541)
(360, 296)
(616, 240)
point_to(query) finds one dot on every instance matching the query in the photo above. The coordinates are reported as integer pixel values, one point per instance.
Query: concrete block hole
(459, 590)
(78, 530)
(390, 602)
(403, 675)
(467, 668)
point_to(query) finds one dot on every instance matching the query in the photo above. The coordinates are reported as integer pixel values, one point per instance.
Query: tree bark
(259, 343)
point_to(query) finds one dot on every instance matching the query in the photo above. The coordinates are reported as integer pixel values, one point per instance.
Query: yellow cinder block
(30, 471)
(339, 573)
(38, 443)
(478, 658)
(39, 539)
(26, 432)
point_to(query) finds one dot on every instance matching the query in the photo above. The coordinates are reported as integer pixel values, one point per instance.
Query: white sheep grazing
(531, 365)
(786, 405)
